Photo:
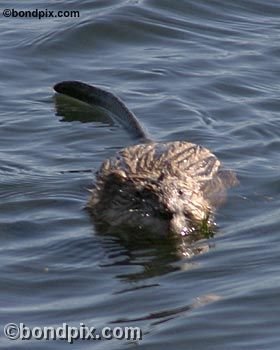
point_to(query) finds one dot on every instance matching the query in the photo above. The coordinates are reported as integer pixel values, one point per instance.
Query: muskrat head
(163, 205)
(181, 202)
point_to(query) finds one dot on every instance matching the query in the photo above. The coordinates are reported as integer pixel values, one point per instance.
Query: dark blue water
(197, 70)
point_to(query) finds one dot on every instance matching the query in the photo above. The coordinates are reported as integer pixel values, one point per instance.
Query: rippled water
(197, 70)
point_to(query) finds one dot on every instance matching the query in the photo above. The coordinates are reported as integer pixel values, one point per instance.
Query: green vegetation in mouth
(206, 228)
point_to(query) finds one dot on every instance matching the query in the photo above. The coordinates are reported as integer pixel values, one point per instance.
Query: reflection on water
(152, 259)
(167, 315)
(155, 257)
(70, 109)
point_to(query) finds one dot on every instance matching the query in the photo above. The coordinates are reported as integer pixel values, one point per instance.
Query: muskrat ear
(118, 176)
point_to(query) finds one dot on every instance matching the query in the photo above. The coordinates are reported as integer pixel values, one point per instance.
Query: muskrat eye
(180, 192)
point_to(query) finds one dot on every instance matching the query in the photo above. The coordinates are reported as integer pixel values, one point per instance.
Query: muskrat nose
(178, 224)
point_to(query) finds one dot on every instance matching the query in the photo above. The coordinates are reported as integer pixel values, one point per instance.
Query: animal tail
(93, 95)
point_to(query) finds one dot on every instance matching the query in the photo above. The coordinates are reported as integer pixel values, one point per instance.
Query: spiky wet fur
(163, 187)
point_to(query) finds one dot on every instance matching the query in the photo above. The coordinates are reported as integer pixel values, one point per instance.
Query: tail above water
(93, 95)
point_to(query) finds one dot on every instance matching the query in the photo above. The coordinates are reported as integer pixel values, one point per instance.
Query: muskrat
(171, 187)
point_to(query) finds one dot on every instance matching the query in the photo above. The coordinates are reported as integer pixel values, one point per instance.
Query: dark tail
(93, 95)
